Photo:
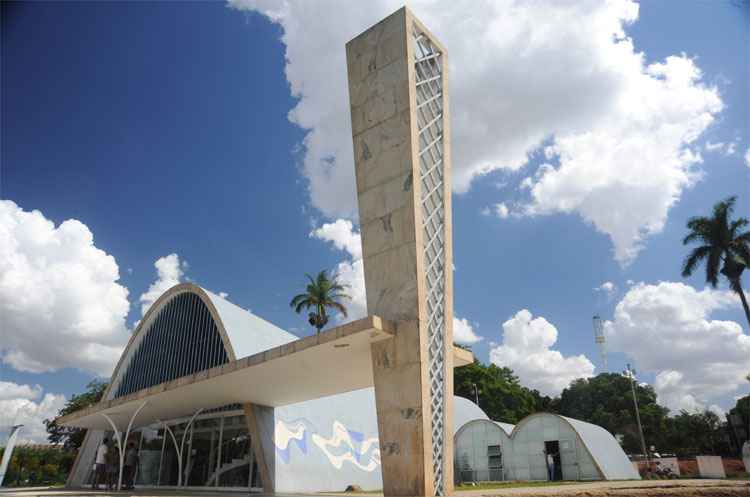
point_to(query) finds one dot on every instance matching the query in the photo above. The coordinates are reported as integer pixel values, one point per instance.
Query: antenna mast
(599, 339)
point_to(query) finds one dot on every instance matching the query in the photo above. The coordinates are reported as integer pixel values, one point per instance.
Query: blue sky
(165, 128)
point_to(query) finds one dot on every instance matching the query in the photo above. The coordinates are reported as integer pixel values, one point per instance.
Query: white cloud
(10, 390)
(501, 210)
(342, 235)
(526, 349)
(747, 157)
(60, 301)
(619, 126)
(170, 272)
(20, 404)
(223, 295)
(463, 332)
(607, 287)
(666, 328)
(624, 173)
(725, 149)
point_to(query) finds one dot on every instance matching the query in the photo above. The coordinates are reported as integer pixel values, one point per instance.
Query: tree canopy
(501, 395)
(72, 438)
(607, 400)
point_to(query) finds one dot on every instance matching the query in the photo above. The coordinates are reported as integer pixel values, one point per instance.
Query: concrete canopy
(338, 360)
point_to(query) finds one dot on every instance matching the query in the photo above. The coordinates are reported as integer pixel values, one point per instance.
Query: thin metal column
(172, 341)
(161, 456)
(160, 342)
(193, 336)
(183, 339)
(201, 327)
(218, 459)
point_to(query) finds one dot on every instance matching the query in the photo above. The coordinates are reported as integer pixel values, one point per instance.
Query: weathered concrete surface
(382, 90)
(403, 422)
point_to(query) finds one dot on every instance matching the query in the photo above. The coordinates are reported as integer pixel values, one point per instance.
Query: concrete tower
(399, 107)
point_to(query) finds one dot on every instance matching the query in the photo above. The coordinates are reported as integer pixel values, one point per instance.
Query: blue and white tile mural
(333, 440)
(329, 443)
(343, 445)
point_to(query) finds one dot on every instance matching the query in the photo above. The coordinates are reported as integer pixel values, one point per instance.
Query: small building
(486, 450)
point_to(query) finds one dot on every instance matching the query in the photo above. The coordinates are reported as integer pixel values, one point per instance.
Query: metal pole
(631, 375)
(476, 394)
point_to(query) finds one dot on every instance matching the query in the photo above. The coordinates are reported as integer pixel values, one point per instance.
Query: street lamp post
(630, 373)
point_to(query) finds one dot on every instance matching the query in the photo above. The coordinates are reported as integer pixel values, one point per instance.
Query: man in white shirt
(550, 465)
(100, 464)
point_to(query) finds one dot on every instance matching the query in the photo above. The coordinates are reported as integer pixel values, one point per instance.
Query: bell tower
(399, 109)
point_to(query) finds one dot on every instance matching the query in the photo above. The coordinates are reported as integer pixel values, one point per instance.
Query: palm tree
(321, 293)
(725, 249)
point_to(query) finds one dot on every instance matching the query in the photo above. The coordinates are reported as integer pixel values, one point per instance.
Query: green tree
(32, 465)
(696, 433)
(501, 396)
(321, 293)
(740, 413)
(72, 438)
(607, 400)
(724, 247)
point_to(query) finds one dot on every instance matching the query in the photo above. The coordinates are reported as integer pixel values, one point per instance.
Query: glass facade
(182, 339)
(217, 453)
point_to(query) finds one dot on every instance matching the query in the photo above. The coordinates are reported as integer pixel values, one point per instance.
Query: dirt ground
(645, 488)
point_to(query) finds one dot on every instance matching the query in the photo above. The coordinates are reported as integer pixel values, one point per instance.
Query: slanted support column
(400, 130)
(119, 440)
(179, 449)
(261, 435)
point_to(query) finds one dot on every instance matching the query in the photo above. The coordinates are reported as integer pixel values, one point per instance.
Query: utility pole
(630, 373)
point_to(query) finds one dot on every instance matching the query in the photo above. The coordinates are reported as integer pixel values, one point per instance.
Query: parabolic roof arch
(605, 451)
(242, 333)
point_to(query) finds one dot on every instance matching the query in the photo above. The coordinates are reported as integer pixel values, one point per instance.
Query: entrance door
(553, 448)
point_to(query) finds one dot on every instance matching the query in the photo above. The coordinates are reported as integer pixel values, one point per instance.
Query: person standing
(112, 467)
(550, 465)
(100, 465)
(131, 463)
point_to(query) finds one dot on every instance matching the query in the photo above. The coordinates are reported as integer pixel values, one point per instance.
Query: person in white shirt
(550, 465)
(100, 465)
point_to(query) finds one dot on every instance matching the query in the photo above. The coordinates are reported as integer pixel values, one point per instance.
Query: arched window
(182, 339)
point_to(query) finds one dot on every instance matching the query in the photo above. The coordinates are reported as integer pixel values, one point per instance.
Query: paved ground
(660, 488)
